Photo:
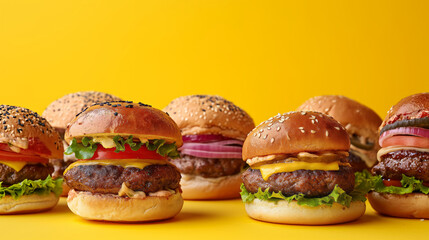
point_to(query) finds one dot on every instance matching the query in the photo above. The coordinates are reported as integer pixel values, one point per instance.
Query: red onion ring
(410, 131)
(207, 154)
(210, 147)
(204, 138)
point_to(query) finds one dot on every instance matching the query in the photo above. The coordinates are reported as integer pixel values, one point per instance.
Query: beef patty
(9, 176)
(357, 163)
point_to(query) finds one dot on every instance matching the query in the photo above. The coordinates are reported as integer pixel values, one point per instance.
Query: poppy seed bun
(206, 114)
(295, 132)
(124, 118)
(24, 128)
(413, 205)
(28, 203)
(109, 207)
(63, 110)
(292, 213)
(408, 108)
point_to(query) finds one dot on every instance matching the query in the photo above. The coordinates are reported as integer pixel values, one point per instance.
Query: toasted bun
(27, 203)
(24, 128)
(205, 114)
(109, 207)
(198, 188)
(61, 111)
(413, 205)
(124, 118)
(295, 132)
(356, 118)
(292, 213)
(408, 108)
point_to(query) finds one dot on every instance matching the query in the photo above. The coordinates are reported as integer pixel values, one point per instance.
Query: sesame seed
(287, 136)
(302, 130)
(278, 129)
(272, 140)
(312, 131)
(254, 134)
(281, 120)
(303, 113)
(261, 130)
(270, 124)
(327, 133)
(337, 128)
(326, 109)
(268, 128)
(259, 135)
(265, 137)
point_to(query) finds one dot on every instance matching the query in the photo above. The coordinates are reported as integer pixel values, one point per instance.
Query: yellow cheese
(137, 163)
(16, 165)
(270, 169)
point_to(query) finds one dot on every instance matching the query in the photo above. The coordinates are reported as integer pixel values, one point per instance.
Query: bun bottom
(28, 203)
(292, 213)
(200, 188)
(413, 205)
(109, 207)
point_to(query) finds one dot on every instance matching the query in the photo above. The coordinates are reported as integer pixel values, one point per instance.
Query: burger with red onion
(122, 173)
(401, 181)
(299, 171)
(213, 130)
(27, 142)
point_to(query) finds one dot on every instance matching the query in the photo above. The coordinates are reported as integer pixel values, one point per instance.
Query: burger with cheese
(401, 181)
(122, 173)
(27, 142)
(213, 130)
(299, 171)
(360, 122)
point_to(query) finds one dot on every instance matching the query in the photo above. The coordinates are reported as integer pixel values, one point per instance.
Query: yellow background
(266, 56)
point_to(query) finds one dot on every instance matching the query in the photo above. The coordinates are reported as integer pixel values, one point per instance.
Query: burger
(62, 111)
(27, 142)
(122, 173)
(299, 171)
(401, 181)
(360, 122)
(213, 130)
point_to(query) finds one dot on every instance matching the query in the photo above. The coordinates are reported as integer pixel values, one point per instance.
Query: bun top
(206, 114)
(355, 117)
(295, 132)
(412, 107)
(61, 111)
(124, 118)
(25, 129)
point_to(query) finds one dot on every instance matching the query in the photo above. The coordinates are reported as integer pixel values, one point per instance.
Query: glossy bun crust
(24, 128)
(63, 110)
(411, 107)
(124, 118)
(413, 205)
(206, 114)
(295, 132)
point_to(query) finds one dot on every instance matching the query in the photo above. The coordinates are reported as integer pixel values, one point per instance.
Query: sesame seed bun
(109, 207)
(25, 129)
(295, 132)
(356, 118)
(196, 187)
(411, 107)
(413, 205)
(124, 119)
(28, 203)
(292, 213)
(206, 114)
(61, 111)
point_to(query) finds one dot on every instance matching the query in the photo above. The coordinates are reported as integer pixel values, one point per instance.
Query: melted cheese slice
(270, 169)
(386, 150)
(16, 165)
(137, 163)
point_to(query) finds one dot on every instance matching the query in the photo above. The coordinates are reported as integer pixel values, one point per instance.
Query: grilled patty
(9, 176)
(109, 178)
(409, 162)
(208, 167)
(315, 183)
(357, 163)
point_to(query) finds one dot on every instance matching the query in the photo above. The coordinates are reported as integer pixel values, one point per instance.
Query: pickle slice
(355, 141)
(418, 122)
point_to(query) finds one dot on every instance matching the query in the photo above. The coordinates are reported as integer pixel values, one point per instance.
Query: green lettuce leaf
(28, 187)
(409, 185)
(87, 148)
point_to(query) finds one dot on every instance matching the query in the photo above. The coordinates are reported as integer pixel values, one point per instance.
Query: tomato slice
(109, 153)
(408, 141)
(13, 156)
(390, 182)
(35, 147)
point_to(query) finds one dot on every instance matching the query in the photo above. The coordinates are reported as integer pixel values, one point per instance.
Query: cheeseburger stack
(299, 172)
(122, 173)
(213, 132)
(27, 141)
(62, 111)
(401, 187)
(360, 122)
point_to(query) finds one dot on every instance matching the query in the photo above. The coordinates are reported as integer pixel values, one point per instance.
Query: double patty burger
(401, 186)
(360, 122)
(299, 171)
(122, 173)
(62, 111)
(27, 141)
(213, 132)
